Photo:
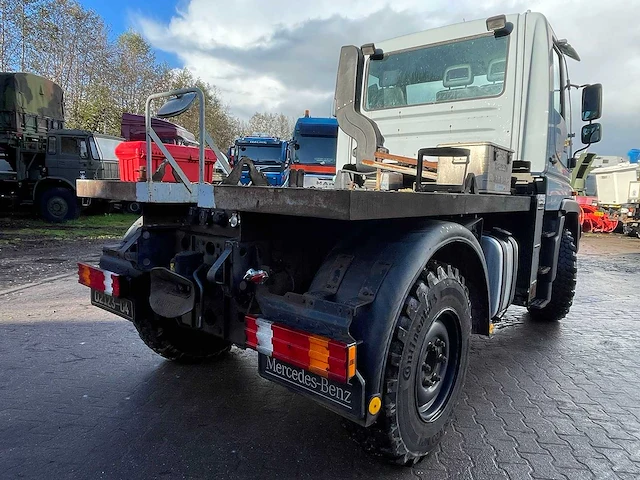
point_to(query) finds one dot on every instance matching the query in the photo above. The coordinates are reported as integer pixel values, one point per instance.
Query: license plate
(122, 307)
(346, 399)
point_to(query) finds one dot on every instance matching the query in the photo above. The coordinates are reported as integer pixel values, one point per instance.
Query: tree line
(103, 77)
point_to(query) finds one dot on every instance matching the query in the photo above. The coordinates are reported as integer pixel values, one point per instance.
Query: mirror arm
(580, 150)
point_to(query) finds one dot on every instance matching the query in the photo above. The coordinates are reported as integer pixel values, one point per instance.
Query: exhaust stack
(347, 102)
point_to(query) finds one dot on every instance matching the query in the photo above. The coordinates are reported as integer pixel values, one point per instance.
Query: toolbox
(490, 163)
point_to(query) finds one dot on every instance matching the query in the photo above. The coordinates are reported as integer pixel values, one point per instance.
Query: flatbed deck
(307, 202)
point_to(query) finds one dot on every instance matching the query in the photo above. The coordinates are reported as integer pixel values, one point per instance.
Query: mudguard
(571, 209)
(51, 180)
(405, 252)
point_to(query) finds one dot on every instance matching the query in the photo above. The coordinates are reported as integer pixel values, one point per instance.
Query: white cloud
(281, 55)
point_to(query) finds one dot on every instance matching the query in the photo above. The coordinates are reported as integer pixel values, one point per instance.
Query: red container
(133, 161)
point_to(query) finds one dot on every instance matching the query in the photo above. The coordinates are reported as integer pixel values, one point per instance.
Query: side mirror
(591, 102)
(591, 133)
(177, 105)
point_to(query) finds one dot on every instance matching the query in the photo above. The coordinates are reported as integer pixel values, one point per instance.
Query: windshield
(107, 148)
(262, 153)
(464, 69)
(316, 150)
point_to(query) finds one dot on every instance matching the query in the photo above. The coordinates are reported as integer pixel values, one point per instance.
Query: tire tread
(383, 438)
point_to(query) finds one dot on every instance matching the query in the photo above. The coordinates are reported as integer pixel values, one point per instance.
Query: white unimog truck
(363, 297)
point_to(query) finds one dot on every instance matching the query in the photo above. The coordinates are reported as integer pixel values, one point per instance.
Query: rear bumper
(307, 352)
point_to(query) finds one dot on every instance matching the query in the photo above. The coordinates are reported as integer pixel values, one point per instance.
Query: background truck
(39, 160)
(362, 298)
(313, 150)
(269, 155)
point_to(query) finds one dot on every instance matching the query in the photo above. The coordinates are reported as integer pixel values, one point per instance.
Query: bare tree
(274, 124)
(102, 79)
(220, 124)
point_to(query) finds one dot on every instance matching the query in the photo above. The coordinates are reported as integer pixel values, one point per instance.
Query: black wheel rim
(57, 207)
(438, 368)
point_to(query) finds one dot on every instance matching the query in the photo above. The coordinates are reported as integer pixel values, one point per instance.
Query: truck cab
(70, 155)
(73, 154)
(313, 150)
(470, 82)
(40, 161)
(269, 155)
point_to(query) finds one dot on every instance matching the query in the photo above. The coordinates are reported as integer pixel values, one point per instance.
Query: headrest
(389, 78)
(495, 71)
(458, 76)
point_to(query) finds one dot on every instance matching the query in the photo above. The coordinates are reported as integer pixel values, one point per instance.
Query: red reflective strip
(96, 279)
(91, 277)
(338, 358)
(290, 346)
(115, 285)
(291, 353)
(314, 168)
(297, 348)
(251, 330)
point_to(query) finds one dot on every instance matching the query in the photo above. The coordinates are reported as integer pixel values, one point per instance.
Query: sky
(281, 55)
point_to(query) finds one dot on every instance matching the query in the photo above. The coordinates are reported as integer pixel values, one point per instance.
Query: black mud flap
(344, 399)
(172, 295)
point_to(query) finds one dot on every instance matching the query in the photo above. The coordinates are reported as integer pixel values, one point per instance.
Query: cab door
(558, 141)
(67, 157)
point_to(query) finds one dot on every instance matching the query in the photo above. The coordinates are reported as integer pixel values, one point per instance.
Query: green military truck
(40, 161)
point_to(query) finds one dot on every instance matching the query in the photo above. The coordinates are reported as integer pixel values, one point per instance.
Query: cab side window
(52, 146)
(558, 82)
(69, 146)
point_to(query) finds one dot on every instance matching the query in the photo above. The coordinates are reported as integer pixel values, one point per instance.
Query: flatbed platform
(307, 202)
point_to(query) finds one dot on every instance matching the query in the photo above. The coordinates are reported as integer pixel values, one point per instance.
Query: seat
(392, 94)
(496, 69)
(457, 79)
(374, 97)
(495, 75)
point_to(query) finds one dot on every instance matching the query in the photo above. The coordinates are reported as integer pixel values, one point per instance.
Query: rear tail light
(320, 355)
(100, 280)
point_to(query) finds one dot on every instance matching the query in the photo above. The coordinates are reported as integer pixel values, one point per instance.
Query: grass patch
(92, 227)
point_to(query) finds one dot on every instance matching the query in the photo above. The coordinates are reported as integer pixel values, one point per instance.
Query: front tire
(425, 370)
(564, 285)
(58, 205)
(181, 344)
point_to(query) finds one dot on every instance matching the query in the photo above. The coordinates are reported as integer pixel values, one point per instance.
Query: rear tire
(564, 285)
(59, 205)
(425, 370)
(133, 207)
(181, 344)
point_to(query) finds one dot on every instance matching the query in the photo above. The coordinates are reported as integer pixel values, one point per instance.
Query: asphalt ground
(82, 397)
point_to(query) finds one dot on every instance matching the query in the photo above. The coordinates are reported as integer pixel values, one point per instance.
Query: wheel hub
(434, 363)
(57, 207)
(437, 373)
